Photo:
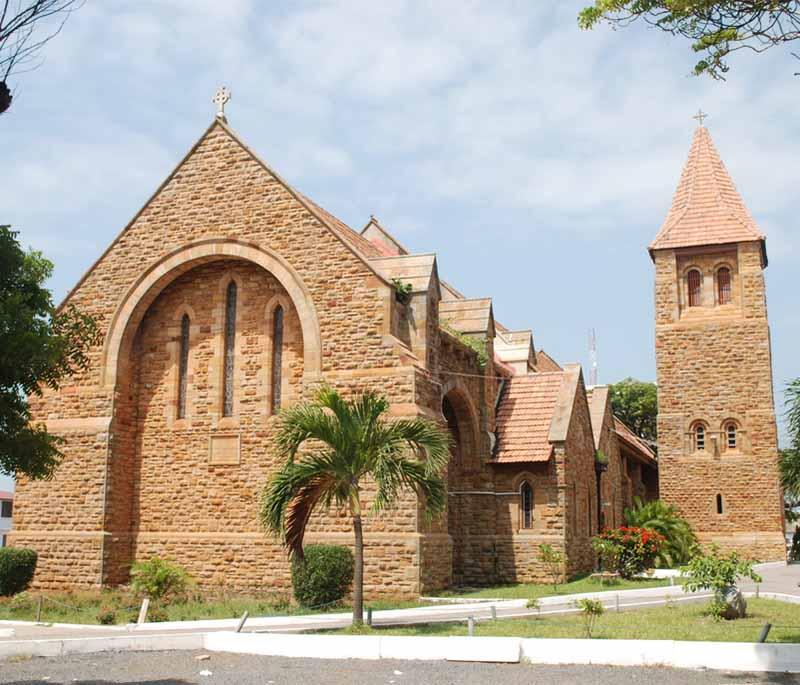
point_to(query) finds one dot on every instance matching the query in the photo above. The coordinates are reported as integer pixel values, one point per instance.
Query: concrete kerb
(745, 657)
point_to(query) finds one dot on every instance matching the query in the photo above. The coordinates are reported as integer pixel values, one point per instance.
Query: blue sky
(537, 160)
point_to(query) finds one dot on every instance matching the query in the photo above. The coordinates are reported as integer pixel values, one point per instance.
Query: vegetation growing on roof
(402, 291)
(479, 347)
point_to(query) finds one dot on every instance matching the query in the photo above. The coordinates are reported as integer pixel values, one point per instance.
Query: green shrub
(323, 577)
(630, 549)
(554, 561)
(160, 580)
(106, 616)
(591, 609)
(717, 572)
(17, 566)
(680, 543)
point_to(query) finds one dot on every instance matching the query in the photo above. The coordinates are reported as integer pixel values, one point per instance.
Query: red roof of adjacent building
(5, 494)
(639, 447)
(524, 417)
(706, 208)
(544, 362)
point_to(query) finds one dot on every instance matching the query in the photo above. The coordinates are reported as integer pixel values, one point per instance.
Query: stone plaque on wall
(224, 449)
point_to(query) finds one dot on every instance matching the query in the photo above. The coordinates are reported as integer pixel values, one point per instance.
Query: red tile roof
(706, 208)
(4, 494)
(638, 446)
(355, 240)
(524, 416)
(544, 362)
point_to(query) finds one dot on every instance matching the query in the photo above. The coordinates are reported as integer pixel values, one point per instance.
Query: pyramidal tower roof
(706, 208)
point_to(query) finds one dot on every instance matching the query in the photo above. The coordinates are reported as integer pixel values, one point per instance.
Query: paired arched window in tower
(229, 355)
(723, 285)
(183, 366)
(525, 505)
(277, 357)
(694, 282)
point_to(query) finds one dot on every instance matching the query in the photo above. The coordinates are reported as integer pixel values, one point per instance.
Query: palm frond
(302, 423)
(295, 491)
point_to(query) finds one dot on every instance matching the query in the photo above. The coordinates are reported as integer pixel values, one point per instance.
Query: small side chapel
(231, 295)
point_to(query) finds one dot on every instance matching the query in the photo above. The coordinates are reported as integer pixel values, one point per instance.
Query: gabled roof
(359, 246)
(637, 447)
(417, 270)
(468, 316)
(706, 208)
(544, 362)
(515, 348)
(524, 416)
(598, 406)
(383, 241)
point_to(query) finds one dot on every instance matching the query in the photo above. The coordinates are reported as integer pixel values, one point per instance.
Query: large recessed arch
(144, 291)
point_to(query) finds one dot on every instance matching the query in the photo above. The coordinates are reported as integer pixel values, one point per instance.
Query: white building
(6, 510)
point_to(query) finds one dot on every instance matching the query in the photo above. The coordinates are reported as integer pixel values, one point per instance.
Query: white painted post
(617, 601)
(241, 621)
(494, 612)
(471, 626)
(143, 611)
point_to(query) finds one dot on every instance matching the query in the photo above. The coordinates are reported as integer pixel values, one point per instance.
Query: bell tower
(717, 436)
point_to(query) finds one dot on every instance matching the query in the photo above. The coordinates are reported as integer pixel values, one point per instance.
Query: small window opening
(183, 367)
(695, 281)
(730, 436)
(230, 349)
(724, 285)
(526, 504)
(719, 504)
(700, 437)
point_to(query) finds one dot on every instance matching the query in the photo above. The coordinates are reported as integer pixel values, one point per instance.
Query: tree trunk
(358, 572)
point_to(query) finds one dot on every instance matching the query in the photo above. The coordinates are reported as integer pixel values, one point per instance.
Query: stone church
(231, 295)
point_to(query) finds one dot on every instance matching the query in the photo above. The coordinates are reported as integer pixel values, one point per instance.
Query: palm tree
(331, 446)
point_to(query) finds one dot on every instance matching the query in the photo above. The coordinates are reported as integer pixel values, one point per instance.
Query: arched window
(695, 284)
(699, 435)
(720, 509)
(277, 357)
(724, 285)
(526, 505)
(183, 366)
(731, 436)
(230, 349)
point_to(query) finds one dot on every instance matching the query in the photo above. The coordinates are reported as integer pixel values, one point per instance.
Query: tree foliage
(716, 27)
(39, 346)
(789, 462)
(331, 447)
(22, 35)
(636, 404)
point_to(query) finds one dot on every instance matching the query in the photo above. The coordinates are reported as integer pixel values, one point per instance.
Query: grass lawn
(673, 622)
(85, 607)
(576, 586)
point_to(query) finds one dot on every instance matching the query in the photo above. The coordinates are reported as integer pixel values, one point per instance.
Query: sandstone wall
(714, 365)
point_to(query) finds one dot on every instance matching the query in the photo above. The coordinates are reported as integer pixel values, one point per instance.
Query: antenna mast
(592, 357)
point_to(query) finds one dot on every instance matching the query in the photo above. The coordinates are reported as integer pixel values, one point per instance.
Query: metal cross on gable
(700, 116)
(220, 99)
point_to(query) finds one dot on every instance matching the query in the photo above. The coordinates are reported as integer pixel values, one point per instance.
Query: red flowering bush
(626, 550)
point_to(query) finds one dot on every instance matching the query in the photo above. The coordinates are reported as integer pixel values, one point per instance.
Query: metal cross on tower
(220, 99)
(700, 116)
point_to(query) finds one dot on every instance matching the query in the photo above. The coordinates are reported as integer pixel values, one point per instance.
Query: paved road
(183, 668)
